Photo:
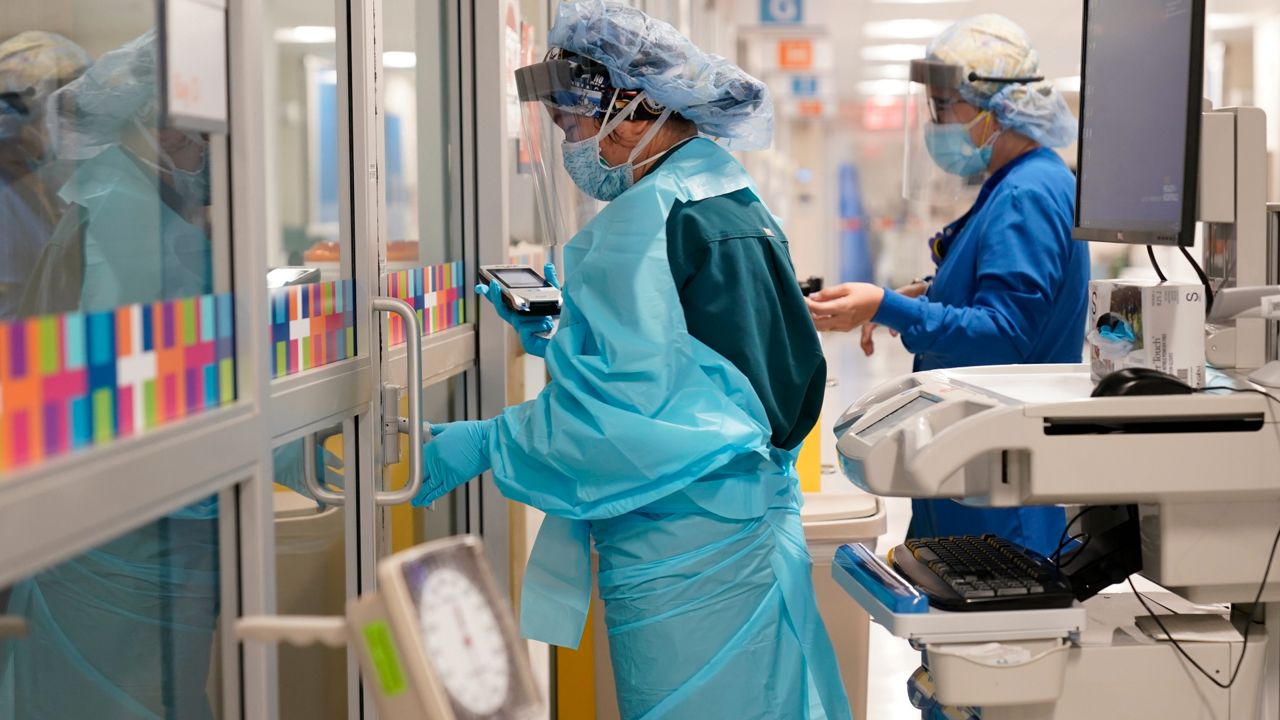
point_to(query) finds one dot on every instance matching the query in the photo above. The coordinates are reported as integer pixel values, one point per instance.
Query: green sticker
(386, 660)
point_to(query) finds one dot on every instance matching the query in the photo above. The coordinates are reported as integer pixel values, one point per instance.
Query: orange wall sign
(795, 54)
(810, 108)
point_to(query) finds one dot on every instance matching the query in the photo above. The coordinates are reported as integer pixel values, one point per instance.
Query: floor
(891, 659)
(852, 374)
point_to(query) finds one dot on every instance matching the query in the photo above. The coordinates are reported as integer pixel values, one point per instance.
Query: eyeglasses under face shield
(17, 101)
(942, 82)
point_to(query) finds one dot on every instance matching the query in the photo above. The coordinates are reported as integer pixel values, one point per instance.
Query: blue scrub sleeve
(1016, 281)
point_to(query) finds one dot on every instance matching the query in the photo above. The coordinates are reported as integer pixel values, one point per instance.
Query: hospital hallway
(505, 359)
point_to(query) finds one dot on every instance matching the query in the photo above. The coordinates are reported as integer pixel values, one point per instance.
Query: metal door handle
(310, 473)
(413, 364)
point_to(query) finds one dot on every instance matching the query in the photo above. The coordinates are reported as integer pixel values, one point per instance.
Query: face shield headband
(942, 82)
(577, 85)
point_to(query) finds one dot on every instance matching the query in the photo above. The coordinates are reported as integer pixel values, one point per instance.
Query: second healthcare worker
(1011, 284)
(684, 374)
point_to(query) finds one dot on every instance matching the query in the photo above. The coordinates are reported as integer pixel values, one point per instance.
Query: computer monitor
(1140, 104)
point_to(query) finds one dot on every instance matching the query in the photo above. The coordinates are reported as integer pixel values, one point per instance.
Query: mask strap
(989, 117)
(611, 123)
(621, 117)
(166, 165)
(648, 136)
(612, 102)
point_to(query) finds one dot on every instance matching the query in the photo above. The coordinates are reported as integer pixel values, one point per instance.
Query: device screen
(888, 422)
(519, 278)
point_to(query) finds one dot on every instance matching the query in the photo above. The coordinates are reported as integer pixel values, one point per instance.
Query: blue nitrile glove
(535, 332)
(458, 451)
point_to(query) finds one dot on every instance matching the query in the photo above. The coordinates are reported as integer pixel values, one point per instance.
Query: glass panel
(312, 323)
(126, 630)
(420, 251)
(310, 562)
(417, 111)
(113, 232)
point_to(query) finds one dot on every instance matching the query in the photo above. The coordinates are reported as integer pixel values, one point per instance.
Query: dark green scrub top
(741, 298)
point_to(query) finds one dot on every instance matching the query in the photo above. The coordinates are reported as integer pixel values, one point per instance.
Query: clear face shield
(941, 165)
(555, 108)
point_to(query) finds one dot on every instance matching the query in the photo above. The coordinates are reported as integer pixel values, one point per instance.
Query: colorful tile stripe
(77, 380)
(311, 325)
(436, 292)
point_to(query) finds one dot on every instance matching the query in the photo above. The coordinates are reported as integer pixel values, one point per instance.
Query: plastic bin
(960, 679)
(831, 520)
(310, 580)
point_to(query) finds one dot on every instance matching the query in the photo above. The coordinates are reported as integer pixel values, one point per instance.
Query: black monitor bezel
(1186, 234)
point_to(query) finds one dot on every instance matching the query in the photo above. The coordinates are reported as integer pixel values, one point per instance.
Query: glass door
(368, 305)
(320, 344)
(131, 400)
(420, 240)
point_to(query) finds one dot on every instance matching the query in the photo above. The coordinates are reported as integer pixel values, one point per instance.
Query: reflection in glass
(126, 630)
(101, 204)
(303, 166)
(416, 109)
(33, 65)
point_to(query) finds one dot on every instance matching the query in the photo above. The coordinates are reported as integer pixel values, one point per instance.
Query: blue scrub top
(1011, 288)
(1013, 284)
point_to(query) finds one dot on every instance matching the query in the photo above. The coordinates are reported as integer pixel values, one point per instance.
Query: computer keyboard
(981, 573)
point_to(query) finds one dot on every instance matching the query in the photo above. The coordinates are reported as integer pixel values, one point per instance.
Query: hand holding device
(534, 329)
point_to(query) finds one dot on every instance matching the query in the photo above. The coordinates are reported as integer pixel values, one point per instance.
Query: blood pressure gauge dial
(464, 641)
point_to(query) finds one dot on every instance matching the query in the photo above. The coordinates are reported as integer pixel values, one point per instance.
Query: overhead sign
(804, 86)
(781, 12)
(789, 54)
(811, 108)
(195, 64)
(795, 54)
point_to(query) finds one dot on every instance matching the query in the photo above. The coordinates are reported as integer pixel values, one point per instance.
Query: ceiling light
(893, 53)
(399, 59)
(307, 34)
(905, 29)
(895, 71)
(920, 2)
(882, 87)
(1228, 21)
(1071, 84)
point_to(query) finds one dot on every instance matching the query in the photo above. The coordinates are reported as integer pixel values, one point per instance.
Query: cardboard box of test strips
(1138, 323)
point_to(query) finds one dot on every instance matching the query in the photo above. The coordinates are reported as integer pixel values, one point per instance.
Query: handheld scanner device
(810, 286)
(523, 289)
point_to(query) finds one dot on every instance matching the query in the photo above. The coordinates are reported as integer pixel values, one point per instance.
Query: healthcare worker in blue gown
(1010, 285)
(685, 372)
